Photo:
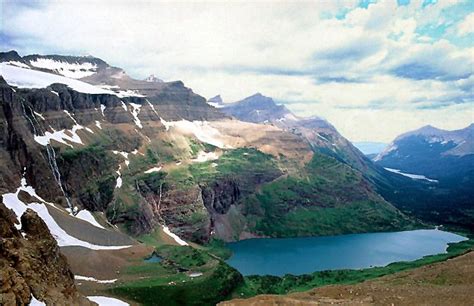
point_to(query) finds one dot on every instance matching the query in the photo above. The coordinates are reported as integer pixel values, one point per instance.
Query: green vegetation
(255, 285)
(169, 282)
(247, 166)
(326, 198)
(88, 174)
(218, 248)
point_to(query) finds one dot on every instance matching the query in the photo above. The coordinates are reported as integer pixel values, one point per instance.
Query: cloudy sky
(374, 69)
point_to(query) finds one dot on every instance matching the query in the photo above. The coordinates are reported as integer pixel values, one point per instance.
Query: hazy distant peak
(153, 79)
(216, 99)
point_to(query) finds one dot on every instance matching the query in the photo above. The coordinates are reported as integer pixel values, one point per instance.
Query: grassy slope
(168, 283)
(327, 198)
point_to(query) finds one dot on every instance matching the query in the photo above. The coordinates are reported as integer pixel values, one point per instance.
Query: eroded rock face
(220, 195)
(32, 264)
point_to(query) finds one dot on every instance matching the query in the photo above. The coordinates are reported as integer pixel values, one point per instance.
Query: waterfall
(49, 150)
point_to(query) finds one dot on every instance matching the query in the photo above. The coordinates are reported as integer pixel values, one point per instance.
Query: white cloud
(287, 50)
(467, 25)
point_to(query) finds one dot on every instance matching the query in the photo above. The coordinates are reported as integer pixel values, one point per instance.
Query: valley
(120, 170)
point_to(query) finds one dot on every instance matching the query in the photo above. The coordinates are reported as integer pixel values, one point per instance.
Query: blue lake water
(272, 256)
(153, 258)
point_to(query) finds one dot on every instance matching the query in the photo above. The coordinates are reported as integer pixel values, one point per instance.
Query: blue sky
(374, 69)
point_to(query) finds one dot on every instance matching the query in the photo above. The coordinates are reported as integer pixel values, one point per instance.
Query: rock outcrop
(31, 264)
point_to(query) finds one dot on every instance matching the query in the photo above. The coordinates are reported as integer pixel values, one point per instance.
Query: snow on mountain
(153, 79)
(70, 70)
(410, 175)
(106, 301)
(458, 142)
(87, 216)
(28, 78)
(216, 101)
(12, 201)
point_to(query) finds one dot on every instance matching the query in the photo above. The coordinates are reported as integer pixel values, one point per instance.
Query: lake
(280, 256)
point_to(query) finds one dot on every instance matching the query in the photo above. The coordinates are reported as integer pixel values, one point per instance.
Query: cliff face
(31, 264)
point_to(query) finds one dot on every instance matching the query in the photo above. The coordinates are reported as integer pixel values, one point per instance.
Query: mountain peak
(217, 99)
(11, 55)
(153, 79)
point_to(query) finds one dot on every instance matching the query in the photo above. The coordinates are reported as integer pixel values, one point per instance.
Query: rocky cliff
(31, 264)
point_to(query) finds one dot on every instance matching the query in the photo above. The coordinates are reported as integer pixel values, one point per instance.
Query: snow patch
(59, 136)
(27, 78)
(154, 169)
(124, 106)
(135, 112)
(124, 154)
(174, 236)
(18, 64)
(39, 115)
(12, 201)
(102, 109)
(205, 156)
(216, 105)
(129, 93)
(152, 107)
(107, 301)
(88, 217)
(92, 279)
(70, 70)
(390, 148)
(35, 302)
(412, 176)
(118, 183)
(97, 124)
(202, 130)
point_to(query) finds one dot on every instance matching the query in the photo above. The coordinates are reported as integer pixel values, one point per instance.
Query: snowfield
(12, 201)
(174, 236)
(88, 217)
(154, 169)
(202, 130)
(135, 112)
(91, 279)
(35, 302)
(70, 70)
(27, 78)
(18, 64)
(412, 176)
(107, 301)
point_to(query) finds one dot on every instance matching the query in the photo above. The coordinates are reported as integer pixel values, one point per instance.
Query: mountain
(153, 78)
(317, 132)
(119, 169)
(444, 162)
(32, 266)
(216, 101)
(432, 152)
(172, 100)
(440, 196)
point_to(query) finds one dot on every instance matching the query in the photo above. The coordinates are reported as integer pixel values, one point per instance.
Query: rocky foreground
(31, 265)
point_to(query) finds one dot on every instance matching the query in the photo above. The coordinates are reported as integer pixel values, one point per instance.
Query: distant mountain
(370, 148)
(216, 101)
(319, 133)
(446, 158)
(258, 109)
(153, 78)
(432, 152)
